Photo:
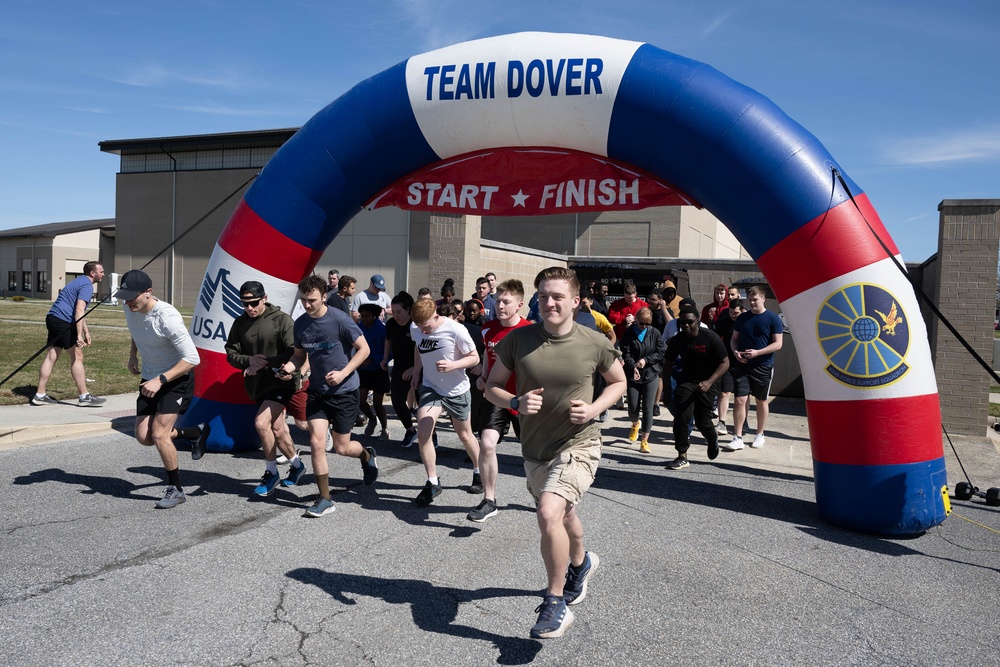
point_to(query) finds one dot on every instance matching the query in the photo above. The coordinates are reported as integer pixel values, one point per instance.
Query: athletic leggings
(398, 389)
(642, 395)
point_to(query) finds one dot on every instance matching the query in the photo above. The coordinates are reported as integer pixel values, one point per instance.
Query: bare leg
(76, 369)
(739, 415)
(426, 419)
(562, 539)
(463, 429)
(45, 372)
(489, 467)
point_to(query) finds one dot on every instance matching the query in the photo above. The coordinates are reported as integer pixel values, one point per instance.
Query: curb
(13, 438)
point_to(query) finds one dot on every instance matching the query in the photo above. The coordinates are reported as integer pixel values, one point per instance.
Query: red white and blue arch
(874, 419)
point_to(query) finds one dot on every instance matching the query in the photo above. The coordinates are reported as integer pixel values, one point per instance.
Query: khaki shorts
(569, 475)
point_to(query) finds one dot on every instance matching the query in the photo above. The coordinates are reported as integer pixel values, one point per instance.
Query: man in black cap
(259, 342)
(168, 354)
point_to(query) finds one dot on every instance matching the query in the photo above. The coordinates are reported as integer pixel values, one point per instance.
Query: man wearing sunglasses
(260, 341)
(703, 361)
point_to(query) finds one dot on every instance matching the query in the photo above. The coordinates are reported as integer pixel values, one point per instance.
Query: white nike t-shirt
(449, 342)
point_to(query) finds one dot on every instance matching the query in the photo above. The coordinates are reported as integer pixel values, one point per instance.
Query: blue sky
(906, 96)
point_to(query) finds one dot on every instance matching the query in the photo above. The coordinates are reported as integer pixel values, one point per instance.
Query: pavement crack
(149, 556)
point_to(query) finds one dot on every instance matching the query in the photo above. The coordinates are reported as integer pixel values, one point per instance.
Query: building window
(12, 281)
(26, 281)
(43, 281)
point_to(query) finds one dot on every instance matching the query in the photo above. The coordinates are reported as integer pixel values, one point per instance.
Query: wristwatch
(514, 403)
(163, 379)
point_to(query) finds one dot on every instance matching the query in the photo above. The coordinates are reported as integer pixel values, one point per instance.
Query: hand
(408, 373)
(150, 387)
(641, 363)
(336, 377)
(384, 365)
(476, 370)
(281, 373)
(443, 366)
(704, 386)
(636, 375)
(531, 402)
(481, 383)
(257, 362)
(580, 412)
(133, 365)
(629, 319)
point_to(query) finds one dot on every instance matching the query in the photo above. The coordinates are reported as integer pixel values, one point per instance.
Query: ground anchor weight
(965, 491)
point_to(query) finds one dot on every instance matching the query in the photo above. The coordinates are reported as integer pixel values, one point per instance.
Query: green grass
(22, 333)
(994, 410)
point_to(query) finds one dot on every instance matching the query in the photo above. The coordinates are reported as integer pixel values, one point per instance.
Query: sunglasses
(251, 304)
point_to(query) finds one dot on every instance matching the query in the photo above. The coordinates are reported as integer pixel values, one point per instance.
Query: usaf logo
(865, 336)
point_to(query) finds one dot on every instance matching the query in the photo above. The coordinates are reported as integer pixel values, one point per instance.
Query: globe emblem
(863, 333)
(865, 329)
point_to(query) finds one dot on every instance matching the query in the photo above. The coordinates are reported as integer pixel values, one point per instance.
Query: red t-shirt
(493, 333)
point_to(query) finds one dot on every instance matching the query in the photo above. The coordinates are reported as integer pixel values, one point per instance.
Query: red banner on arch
(528, 181)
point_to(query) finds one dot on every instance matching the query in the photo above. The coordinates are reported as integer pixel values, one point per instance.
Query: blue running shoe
(267, 484)
(294, 473)
(553, 618)
(575, 589)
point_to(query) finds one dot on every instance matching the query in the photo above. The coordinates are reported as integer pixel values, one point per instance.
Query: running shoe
(735, 445)
(678, 463)
(575, 589)
(477, 483)
(721, 429)
(370, 467)
(43, 400)
(172, 498)
(483, 511)
(370, 429)
(198, 446)
(321, 507)
(428, 494)
(90, 401)
(553, 618)
(409, 438)
(267, 484)
(758, 441)
(294, 473)
(644, 447)
(633, 434)
(713, 450)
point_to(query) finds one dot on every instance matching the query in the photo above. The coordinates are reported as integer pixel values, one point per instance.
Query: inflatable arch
(871, 394)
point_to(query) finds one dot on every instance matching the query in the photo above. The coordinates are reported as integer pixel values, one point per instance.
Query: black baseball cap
(133, 283)
(252, 288)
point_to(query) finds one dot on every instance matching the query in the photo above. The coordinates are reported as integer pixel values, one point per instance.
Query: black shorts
(61, 334)
(726, 382)
(377, 381)
(753, 381)
(279, 392)
(341, 410)
(173, 398)
(495, 418)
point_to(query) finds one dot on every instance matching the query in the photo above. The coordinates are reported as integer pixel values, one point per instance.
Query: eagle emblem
(890, 320)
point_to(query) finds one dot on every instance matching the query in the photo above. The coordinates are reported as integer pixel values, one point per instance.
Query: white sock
(433, 480)
(272, 467)
(294, 461)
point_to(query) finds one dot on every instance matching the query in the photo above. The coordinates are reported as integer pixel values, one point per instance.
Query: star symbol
(519, 198)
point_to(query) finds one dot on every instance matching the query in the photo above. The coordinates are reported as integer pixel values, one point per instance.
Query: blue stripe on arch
(322, 176)
(900, 499)
(732, 149)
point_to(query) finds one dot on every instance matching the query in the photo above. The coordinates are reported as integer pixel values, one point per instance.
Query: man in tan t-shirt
(555, 362)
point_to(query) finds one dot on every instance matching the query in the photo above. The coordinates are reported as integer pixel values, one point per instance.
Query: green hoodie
(269, 334)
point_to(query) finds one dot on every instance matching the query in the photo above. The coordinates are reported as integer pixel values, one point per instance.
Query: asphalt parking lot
(722, 563)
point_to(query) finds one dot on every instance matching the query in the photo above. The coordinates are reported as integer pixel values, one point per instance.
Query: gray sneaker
(321, 507)
(43, 400)
(172, 498)
(575, 589)
(483, 511)
(90, 401)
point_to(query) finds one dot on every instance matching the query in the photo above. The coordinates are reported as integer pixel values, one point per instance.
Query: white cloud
(154, 75)
(717, 22)
(982, 145)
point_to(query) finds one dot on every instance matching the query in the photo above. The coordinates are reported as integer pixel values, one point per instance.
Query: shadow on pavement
(434, 608)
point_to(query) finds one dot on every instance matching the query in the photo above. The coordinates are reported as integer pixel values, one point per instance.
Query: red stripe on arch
(216, 380)
(257, 244)
(833, 244)
(896, 430)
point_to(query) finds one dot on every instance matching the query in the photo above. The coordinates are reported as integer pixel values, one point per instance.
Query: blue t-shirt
(376, 343)
(329, 342)
(79, 289)
(756, 330)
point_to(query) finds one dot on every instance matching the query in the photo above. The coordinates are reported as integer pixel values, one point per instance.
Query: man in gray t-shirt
(336, 349)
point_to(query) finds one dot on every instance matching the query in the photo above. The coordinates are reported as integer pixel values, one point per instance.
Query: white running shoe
(735, 445)
(758, 441)
(329, 442)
